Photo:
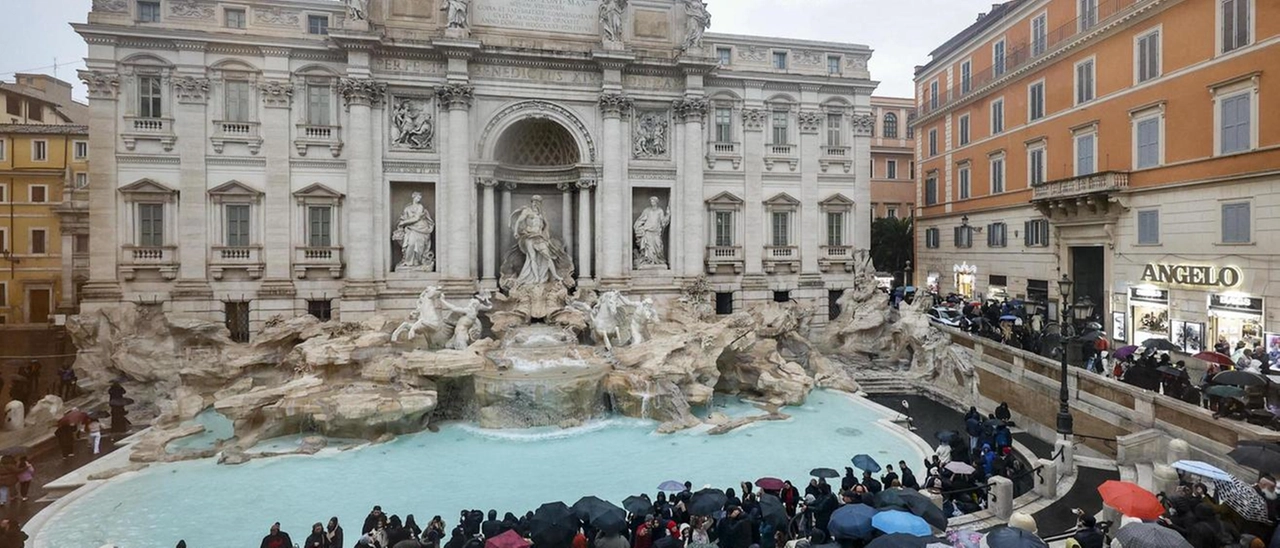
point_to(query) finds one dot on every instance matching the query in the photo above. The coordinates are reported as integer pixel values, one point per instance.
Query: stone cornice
(189, 45)
(268, 51)
(456, 96)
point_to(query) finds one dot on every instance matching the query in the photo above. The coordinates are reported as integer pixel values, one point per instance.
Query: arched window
(890, 125)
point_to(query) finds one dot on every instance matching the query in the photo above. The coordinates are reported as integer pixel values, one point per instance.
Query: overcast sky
(33, 33)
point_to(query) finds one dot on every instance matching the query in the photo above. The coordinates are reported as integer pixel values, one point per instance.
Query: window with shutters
(1036, 164)
(1039, 34)
(320, 226)
(835, 228)
(996, 168)
(724, 125)
(891, 169)
(1087, 14)
(81, 150)
(833, 64)
(40, 150)
(1085, 81)
(964, 237)
(964, 130)
(997, 58)
(39, 241)
(932, 238)
(781, 228)
(1086, 153)
(933, 142)
(891, 212)
(724, 56)
(911, 130)
(833, 130)
(931, 190)
(38, 194)
(1236, 20)
(1036, 233)
(319, 105)
(318, 24)
(933, 95)
(724, 228)
(1235, 117)
(148, 11)
(780, 129)
(890, 125)
(1146, 142)
(997, 235)
(1147, 56)
(1148, 227)
(966, 76)
(234, 18)
(150, 225)
(149, 97)
(1035, 101)
(997, 116)
(237, 219)
(965, 185)
(237, 101)
(780, 60)
(1235, 223)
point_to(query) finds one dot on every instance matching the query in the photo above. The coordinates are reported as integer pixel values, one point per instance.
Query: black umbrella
(920, 505)
(638, 505)
(824, 473)
(612, 521)
(1012, 537)
(707, 502)
(945, 436)
(891, 499)
(1239, 378)
(1160, 343)
(589, 507)
(903, 540)
(772, 511)
(1265, 458)
(1174, 371)
(553, 525)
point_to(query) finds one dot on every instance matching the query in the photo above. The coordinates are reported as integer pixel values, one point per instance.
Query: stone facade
(269, 157)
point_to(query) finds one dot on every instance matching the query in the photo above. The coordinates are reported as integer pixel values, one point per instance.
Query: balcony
(836, 255)
(724, 151)
(1087, 194)
(836, 155)
(245, 133)
(143, 129)
(317, 258)
(774, 154)
(316, 135)
(162, 259)
(247, 258)
(729, 256)
(777, 259)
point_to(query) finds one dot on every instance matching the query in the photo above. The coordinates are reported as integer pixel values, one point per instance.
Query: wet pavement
(50, 466)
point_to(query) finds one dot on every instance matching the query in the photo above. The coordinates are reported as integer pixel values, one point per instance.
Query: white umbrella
(960, 467)
(1202, 469)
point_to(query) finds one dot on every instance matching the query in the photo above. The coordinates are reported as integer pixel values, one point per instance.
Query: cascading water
(543, 379)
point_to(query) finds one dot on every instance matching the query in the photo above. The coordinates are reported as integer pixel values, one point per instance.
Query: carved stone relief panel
(412, 124)
(651, 134)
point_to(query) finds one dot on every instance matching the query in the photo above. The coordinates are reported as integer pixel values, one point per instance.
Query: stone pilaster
(359, 95)
(612, 188)
(103, 287)
(458, 262)
(692, 111)
(277, 234)
(191, 292)
(807, 231)
(754, 121)
(863, 122)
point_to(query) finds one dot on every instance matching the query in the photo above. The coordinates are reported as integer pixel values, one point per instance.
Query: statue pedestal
(457, 33)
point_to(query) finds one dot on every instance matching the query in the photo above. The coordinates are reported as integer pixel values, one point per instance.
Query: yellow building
(43, 200)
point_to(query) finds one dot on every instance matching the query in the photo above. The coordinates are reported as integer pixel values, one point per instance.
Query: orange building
(893, 155)
(1119, 142)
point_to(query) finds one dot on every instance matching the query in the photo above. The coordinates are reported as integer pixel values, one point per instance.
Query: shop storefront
(932, 281)
(1149, 312)
(1236, 317)
(998, 288)
(965, 276)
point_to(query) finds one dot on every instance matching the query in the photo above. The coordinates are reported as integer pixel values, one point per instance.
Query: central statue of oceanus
(537, 257)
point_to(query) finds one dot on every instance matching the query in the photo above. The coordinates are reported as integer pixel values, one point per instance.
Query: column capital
(754, 119)
(691, 109)
(863, 124)
(487, 182)
(613, 104)
(586, 184)
(567, 186)
(810, 121)
(102, 85)
(276, 93)
(456, 96)
(191, 89)
(361, 91)
(508, 185)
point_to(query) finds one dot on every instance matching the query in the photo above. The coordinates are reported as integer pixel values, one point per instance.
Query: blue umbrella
(672, 486)
(866, 463)
(1202, 469)
(851, 522)
(897, 521)
(1008, 318)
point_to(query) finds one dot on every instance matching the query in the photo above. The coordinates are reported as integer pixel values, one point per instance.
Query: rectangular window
(80, 244)
(911, 166)
(780, 133)
(1147, 137)
(40, 151)
(39, 194)
(234, 18)
(724, 303)
(997, 58)
(1147, 56)
(1234, 119)
(963, 236)
(237, 101)
(1036, 233)
(1035, 165)
(237, 225)
(13, 106)
(35, 112)
(1235, 223)
(82, 180)
(1084, 81)
(318, 24)
(997, 116)
(150, 225)
(966, 76)
(237, 316)
(1149, 227)
(724, 56)
(1035, 101)
(321, 309)
(891, 212)
(3, 194)
(835, 229)
(81, 150)
(1235, 24)
(780, 60)
(320, 226)
(891, 169)
(997, 235)
(997, 175)
(724, 125)
(933, 95)
(833, 64)
(1086, 153)
(833, 130)
(1039, 34)
(964, 130)
(781, 296)
(933, 142)
(931, 238)
(724, 229)
(318, 107)
(931, 190)
(148, 11)
(149, 97)
(38, 243)
(3, 147)
(4, 239)
(1088, 13)
(965, 184)
(781, 226)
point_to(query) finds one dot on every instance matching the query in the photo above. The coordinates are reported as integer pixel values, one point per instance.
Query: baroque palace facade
(292, 156)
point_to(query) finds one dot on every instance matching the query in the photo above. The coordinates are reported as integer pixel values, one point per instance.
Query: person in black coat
(333, 532)
(908, 478)
(491, 527)
(457, 538)
(849, 480)
(317, 538)
(1088, 535)
(275, 539)
(872, 485)
(396, 531)
(371, 520)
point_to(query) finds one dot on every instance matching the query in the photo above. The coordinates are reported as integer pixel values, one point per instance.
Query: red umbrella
(1214, 357)
(1130, 500)
(509, 539)
(74, 417)
(770, 484)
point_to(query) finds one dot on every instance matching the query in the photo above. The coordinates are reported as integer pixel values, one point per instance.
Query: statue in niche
(357, 10)
(611, 19)
(537, 257)
(412, 124)
(649, 228)
(651, 135)
(413, 231)
(426, 316)
(696, 24)
(456, 13)
(466, 328)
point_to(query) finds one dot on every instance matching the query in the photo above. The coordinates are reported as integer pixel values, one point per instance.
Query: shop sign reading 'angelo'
(1205, 276)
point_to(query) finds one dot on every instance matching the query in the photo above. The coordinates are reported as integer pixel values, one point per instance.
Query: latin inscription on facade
(559, 16)
(407, 66)
(536, 74)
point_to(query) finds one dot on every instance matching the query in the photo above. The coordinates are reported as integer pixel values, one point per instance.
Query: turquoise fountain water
(464, 467)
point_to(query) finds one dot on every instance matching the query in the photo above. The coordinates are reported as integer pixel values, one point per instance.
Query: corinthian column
(457, 262)
(360, 95)
(693, 110)
(489, 228)
(612, 187)
(584, 228)
(103, 287)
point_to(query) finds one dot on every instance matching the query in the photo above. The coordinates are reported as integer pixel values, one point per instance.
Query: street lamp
(1065, 421)
(906, 274)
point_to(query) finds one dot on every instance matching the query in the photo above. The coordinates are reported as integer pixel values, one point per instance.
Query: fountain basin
(563, 395)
